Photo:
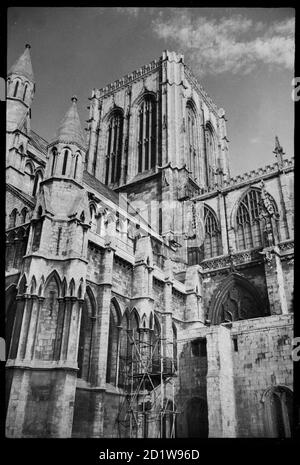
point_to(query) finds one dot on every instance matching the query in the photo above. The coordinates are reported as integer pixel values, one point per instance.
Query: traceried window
(212, 241)
(147, 134)
(249, 221)
(210, 155)
(113, 342)
(192, 140)
(114, 148)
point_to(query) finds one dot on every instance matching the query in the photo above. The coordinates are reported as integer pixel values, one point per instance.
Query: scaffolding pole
(146, 376)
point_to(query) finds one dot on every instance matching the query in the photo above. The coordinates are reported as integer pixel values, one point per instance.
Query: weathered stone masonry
(149, 293)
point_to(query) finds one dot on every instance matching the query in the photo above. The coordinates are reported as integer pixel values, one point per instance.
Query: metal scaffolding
(148, 407)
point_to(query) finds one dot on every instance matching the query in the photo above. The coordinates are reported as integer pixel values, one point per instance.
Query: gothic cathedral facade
(148, 292)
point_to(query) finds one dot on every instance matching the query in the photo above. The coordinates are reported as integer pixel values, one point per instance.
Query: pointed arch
(41, 286)
(22, 286)
(65, 161)
(113, 342)
(17, 83)
(72, 287)
(175, 352)
(235, 299)
(64, 287)
(151, 320)
(24, 215)
(12, 321)
(49, 335)
(211, 144)
(33, 285)
(29, 167)
(78, 159)
(13, 218)
(54, 154)
(114, 148)
(80, 289)
(212, 239)
(54, 276)
(86, 336)
(147, 128)
(248, 221)
(192, 138)
(124, 349)
(25, 91)
(37, 180)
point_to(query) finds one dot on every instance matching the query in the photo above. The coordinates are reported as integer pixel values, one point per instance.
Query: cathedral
(149, 294)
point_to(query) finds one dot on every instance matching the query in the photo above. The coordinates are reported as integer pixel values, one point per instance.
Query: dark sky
(242, 57)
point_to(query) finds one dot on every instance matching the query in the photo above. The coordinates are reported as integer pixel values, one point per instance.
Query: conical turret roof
(23, 65)
(70, 130)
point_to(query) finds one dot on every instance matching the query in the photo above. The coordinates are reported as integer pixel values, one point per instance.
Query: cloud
(128, 11)
(234, 44)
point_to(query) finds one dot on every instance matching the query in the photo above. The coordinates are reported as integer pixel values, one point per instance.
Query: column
(220, 384)
(275, 281)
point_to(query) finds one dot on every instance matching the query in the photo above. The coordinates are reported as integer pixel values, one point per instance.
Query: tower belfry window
(65, 162)
(25, 90)
(147, 134)
(54, 155)
(114, 148)
(192, 140)
(16, 88)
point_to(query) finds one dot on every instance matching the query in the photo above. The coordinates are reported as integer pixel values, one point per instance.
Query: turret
(66, 153)
(20, 90)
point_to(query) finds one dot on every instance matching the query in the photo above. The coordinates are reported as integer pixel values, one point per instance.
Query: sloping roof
(23, 65)
(91, 181)
(70, 129)
(38, 142)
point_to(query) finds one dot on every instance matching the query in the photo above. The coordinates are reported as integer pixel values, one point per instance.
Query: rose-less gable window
(114, 148)
(147, 134)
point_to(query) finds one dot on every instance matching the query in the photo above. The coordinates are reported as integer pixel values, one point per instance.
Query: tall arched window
(10, 317)
(124, 352)
(65, 162)
(211, 146)
(24, 213)
(54, 157)
(147, 134)
(76, 165)
(114, 148)
(37, 230)
(13, 218)
(250, 221)
(192, 140)
(135, 341)
(212, 241)
(16, 89)
(25, 90)
(174, 330)
(86, 337)
(113, 341)
(38, 178)
(155, 344)
(279, 411)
